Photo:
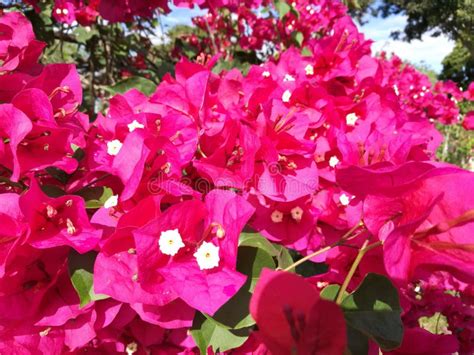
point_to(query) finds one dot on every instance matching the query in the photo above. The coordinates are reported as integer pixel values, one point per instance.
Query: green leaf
(306, 52)
(96, 196)
(83, 34)
(435, 324)
(53, 191)
(357, 342)
(58, 174)
(254, 253)
(251, 261)
(330, 292)
(284, 258)
(308, 268)
(81, 271)
(282, 7)
(208, 333)
(256, 240)
(298, 38)
(79, 153)
(235, 313)
(374, 310)
(134, 82)
(222, 65)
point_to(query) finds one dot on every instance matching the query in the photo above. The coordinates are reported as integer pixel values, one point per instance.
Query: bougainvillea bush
(294, 208)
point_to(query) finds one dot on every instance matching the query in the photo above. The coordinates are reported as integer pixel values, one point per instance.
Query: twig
(363, 250)
(345, 237)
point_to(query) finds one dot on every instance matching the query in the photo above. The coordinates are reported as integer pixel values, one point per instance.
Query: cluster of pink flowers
(419, 97)
(328, 152)
(86, 12)
(303, 24)
(253, 30)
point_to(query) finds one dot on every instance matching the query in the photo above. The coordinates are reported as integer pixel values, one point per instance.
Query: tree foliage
(453, 18)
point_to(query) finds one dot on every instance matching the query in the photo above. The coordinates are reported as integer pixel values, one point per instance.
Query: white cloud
(429, 50)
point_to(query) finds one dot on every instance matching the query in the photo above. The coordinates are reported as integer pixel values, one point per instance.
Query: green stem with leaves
(362, 251)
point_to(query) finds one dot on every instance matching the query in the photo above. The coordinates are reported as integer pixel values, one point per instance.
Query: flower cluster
(86, 12)
(118, 234)
(302, 23)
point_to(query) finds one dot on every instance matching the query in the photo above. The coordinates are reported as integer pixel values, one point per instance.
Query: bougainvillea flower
(288, 223)
(23, 289)
(420, 341)
(62, 84)
(11, 219)
(16, 30)
(468, 122)
(58, 221)
(203, 286)
(321, 141)
(418, 227)
(14, 126)
(125, 10)
(64, 11)
(291, 316)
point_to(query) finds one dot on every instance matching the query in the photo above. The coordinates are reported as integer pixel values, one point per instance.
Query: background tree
(453, 18)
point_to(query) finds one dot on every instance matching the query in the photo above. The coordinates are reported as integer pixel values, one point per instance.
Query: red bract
(204, 287)
(58, 221)
(14, 126)
(292, 318)
(468, 122)
(412, 217)
(330, 154)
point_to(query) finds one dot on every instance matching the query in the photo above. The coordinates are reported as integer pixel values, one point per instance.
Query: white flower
(112, 201)
(266, 74)
(276, 216)
(131, 348)
(207, 256)
(51, 211)
(288, 77)
(134, 125)
(71, 229)
(65, 11)
(344, 200)
(333, 161)
(297, 213)
(59, 11)
(395, 88)
(309, 70)
(170, 242)
(351, 119)
(286, 96)
(113, 147)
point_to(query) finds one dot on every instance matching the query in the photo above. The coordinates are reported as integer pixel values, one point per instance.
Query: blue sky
(429, 50)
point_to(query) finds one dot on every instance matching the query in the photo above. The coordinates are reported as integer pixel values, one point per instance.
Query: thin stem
(325, 249)
(211, 34)
(363, 250)
(302, 260)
